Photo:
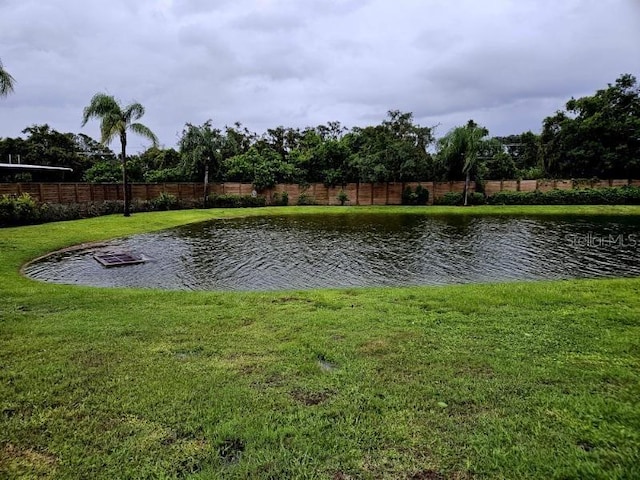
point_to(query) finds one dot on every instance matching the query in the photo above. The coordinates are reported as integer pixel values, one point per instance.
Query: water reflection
(315, 251)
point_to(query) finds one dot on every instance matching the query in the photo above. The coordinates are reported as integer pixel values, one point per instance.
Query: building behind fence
(357, 193)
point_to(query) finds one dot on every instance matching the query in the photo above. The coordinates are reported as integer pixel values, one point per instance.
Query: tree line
(594, 136)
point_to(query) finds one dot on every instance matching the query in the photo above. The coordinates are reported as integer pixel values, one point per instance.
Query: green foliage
(116, 120)
(20, 210)
(460, 153)
(23, 177)
(48, 147)
(280, 198)
(626, 195)
(407, 196)
(305, 199)
(477, 198)
(104, 171)
(236, 201)
(500, 166)
(91, 150)
(164, 201)
(318, 154)
(533, 173)
(422, 195)
(24, 210)
(419, 196)
(7, 82)
(394, 151)
(157, 165)
(525, 151)
(457, 198)
(172, 174)
(460, 149)
(97, 209)
(597, 135)
(343, 197)
(264, 169)
(450, 198)
(200, 147)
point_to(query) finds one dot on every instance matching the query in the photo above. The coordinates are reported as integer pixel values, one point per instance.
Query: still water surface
(358, 250)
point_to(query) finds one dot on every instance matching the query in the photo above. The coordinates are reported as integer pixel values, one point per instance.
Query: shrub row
(626, 195)
(24, 210)
(419, 196)
(281, 198)
(457, 198)
(305, 199)
(236, 201)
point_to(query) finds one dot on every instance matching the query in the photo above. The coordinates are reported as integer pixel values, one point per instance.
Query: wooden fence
(357, 193)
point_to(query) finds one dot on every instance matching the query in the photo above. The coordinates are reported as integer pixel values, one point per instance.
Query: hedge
(626, 195)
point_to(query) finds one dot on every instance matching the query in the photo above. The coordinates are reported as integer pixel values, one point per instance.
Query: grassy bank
(526, 380)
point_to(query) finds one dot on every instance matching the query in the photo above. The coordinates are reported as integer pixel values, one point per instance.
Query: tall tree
(200, 147)
(47, 146)
(261, 165)
(7, 82)
(237, 140)
(321, 154)
(462, 145)
(116, 121)
(394, 151)
(524, 149)
(597, 135)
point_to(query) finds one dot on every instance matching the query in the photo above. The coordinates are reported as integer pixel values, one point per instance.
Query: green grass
(523, 380)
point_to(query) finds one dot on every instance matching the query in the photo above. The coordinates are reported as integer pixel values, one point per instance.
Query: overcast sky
(297, 63)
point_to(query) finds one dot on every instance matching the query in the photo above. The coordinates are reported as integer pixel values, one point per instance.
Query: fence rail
(357, 193)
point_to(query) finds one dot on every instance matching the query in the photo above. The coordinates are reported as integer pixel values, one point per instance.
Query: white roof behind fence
(22, 166)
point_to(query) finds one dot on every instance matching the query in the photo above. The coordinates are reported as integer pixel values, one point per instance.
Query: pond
(358, 250)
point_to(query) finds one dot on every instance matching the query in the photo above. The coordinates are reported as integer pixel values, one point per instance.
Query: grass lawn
(520, 380)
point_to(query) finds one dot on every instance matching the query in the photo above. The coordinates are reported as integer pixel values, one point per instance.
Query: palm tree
(6, 82)
(462, 144)
(200, 147)
(115, 121)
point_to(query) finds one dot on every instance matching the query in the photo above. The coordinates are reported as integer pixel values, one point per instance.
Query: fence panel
(358, 194)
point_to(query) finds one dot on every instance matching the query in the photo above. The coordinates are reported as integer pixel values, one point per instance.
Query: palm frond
(110, 128)
(6, 82)
(144, 131)
(101, 106)
(132, 112)
(114, 120)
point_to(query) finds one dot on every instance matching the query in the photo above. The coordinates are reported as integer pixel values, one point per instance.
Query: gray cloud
(507, 64)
